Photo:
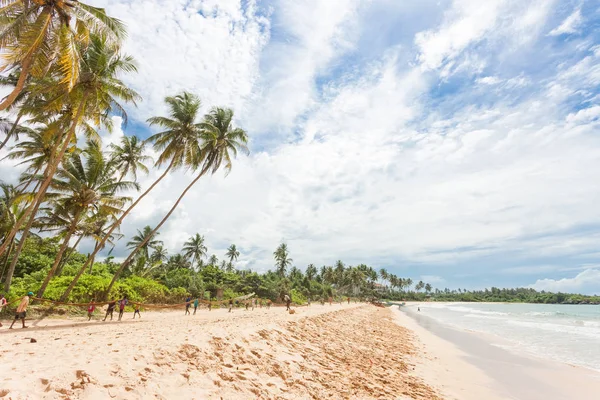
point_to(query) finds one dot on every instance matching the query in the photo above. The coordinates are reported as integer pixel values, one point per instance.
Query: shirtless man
(22, 310)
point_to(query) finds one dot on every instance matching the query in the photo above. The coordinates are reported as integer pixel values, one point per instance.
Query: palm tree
(10, 209)
(356, 277)
(232, 253)
(427, 287)
(339, 272)
(148, 241)
(194, 248)
(129, 156)
(329, 275)
(383, 274)
(282, 259)
(213, 260)
(215, 144)
(420, 285)
(83, 185)
(178, 261)
(311, 272)
(408, 283)
(93, 98)
(41, 35)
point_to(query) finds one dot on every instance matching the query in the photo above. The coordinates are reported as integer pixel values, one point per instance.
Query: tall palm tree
(329, 275)
(10, 209)
(41, 35)
(217, 142)
(339, 272)
(148, 241)
(282, 259)
(93, 98)
(85, 183)
(129, 156)
(194, 248)
(232, 253)
(311, 272)
(213, 260)
(428, 288)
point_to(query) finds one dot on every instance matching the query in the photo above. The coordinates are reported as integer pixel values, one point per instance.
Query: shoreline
(503, 374)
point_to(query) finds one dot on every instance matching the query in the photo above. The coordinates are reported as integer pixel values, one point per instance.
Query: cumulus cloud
(586, 282)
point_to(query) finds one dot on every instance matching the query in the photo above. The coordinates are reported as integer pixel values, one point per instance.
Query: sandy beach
(339, 352)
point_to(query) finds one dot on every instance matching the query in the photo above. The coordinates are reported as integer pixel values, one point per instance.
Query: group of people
(21, 310)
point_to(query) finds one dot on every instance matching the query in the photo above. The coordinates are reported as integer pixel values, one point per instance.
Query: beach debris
(32, 340)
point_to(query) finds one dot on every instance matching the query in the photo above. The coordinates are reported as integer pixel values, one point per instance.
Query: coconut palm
(215, 146)
(85, 183)
(232, 253)
(129, 156)
(427, 287)
(93, 98)
(147, 239)
(282, 259)
(419, 286)
(213, 260)
(311, 272)
(194, 248)
(329, 275)
(43, 35)
(339, 272)
(10, 209)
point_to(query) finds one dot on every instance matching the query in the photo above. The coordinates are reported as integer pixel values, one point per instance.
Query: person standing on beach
(348, 300)
(195, 306)
(137, 311)
(122, 305)
(268, 304)
(22, 310)
(188, 303)
(2, 304)
(91, 309)
(230, 304)
(288, 301)
(110, 310)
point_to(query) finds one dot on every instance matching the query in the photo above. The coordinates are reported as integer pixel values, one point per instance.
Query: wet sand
(337, 352)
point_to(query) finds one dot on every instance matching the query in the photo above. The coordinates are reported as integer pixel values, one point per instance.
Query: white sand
(339, 352)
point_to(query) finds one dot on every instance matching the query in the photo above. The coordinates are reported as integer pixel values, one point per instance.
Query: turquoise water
(564, 333)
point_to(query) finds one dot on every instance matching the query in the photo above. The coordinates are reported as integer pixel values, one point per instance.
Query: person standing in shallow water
(22, 310)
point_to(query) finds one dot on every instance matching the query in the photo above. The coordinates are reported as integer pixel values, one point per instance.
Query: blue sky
(452, 141)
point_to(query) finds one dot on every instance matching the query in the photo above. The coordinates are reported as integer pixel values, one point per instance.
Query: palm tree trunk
(24, 235)
(69, 254)
(48, 175)
(58, 258)
(10, 249)
(12, 130)
(110, 231)
(165, 218)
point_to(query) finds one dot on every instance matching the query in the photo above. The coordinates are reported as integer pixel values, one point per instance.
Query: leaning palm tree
(129, 156)
(92, 100)
(218, 141)
(85, 183)
(41, 35)
(194, 248)
(10, 209)
(232, 253)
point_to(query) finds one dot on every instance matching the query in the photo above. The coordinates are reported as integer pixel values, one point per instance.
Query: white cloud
(586, 282)
(489, 80)
(570, 25)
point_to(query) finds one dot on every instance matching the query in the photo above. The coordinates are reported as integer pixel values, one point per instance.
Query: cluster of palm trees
(153, 258)
(64, 64)
(358, 280)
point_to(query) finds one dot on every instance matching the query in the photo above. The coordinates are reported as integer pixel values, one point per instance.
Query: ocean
(565, 333)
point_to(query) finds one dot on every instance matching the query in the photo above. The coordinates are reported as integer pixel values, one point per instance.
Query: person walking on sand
(348, 300)
(91, 309)
(330, 300)
(2, 304)
(230, 305)
(22, 310)
(110, 310)
(268, 304)
(288, 301)
(122, 305)
(137, 311)
(195, 306)
(188, 303)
